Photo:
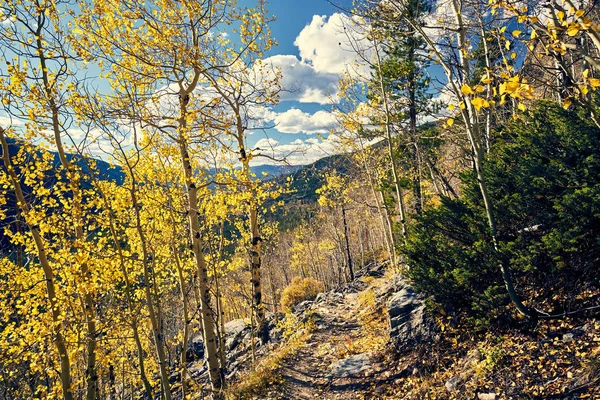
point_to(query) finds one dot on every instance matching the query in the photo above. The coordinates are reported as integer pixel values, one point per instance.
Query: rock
(234, 331)
(391, 286)
(195, 350)
(302, 307)
(472, 358)
(486, 396)
(350, 366)
(574, 334)
(452, 384)
(408, 319)
(568, 337)
(320, 298)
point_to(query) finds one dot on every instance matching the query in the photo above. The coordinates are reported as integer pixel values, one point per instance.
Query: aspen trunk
(155, 319)
(186, 315)
(129, 297)
(474, 134)
(89, 309)
(350, 268)
(55, 306)
(208, 324)
(388, 134)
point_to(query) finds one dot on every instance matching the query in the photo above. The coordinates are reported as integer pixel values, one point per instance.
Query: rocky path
(328, 365)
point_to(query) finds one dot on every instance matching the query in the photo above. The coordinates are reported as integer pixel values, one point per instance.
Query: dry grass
(300, 290)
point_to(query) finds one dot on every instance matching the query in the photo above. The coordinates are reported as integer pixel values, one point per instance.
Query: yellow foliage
(300, 290)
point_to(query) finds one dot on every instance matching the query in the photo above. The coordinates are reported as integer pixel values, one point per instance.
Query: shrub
(300, 290)
(543, 174)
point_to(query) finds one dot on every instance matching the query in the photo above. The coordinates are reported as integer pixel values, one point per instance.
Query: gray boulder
(195, 350)
(409, 322)
(350, 366)
(302, 307)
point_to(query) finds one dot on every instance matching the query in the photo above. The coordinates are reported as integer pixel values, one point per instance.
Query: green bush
(300, 290)
(543, 174)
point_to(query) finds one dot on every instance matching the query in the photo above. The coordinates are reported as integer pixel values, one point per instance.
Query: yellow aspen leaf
(567, 103)
(573, 29)
(466, 90)
(479, 88)
(579, 13)
(516, 33)
(503, 29)
(513, 55)
(522, 107)
(462, 105)
(560, 15)
(507, 45)
(595, 82)
(450, 122)
(487, 80)
(533, 34)
(583, 89)
(586, 73)
(479, 103)
(451, 107)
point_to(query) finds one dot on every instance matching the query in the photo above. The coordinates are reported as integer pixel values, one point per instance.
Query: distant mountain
(273, 171)
(103, 169)
(300, 204)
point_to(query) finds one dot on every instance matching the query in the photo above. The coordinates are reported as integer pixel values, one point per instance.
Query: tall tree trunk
(89, 308)
(56, 308)
(388, 134)
(208, 323)
(155, 320)
(474, 134)
(350, 268)
(129, 297)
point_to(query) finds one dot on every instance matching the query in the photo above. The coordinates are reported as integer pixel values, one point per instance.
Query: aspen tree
(56, 308)
(459, 77)
(176, 56)
(42, 91)
(245, 84)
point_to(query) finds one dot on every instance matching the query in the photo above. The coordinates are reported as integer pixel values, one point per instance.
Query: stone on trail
(409, 322)
(350, 366)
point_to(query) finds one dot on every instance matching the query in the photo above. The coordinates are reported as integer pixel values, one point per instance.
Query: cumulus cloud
(329, 44)
(299, 151)
(6, 122)
(297, 121)
(301, 82)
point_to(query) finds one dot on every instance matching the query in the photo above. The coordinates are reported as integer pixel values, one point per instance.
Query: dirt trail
(315, 370)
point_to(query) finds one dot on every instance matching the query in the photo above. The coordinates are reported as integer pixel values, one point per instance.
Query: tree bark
(55, 307)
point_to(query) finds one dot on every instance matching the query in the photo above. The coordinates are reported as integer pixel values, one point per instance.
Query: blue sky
(309, 54)
(310, 57)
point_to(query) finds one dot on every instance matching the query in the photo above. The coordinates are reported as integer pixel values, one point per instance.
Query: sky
(310, 56)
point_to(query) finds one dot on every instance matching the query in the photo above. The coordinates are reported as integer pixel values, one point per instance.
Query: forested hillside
(153, 248)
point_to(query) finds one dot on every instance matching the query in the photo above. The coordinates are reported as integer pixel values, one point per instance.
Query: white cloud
(300, 152)
(266, 143)
(296, 121)
(6, 122)
(329, 44)
(301, 82)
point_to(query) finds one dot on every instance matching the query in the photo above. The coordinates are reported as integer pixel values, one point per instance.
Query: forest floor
(339, 349)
